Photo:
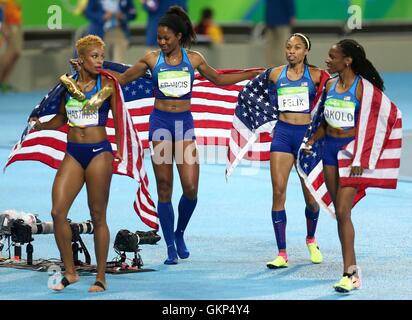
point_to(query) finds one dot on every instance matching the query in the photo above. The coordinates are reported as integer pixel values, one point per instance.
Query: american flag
(376, 148)
(255, 116)
(253, 121)
(212, 108)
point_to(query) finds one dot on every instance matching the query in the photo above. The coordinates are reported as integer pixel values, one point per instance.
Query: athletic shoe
(315, 254)
(347, 284)
(72, 86)
(98, 98)
(279, 262)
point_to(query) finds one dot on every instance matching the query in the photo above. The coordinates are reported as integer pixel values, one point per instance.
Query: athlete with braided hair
(342, 107)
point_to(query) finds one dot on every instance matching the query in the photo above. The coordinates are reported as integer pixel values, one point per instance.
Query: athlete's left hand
(118, 157)
(356, 171)
(75, 64)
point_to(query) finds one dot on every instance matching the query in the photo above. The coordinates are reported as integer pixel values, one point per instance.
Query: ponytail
(360, 64)
(178, 20)
(368, 71)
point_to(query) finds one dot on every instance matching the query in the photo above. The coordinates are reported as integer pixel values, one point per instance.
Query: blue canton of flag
(50, 103)
(254, 119)
(254, 107)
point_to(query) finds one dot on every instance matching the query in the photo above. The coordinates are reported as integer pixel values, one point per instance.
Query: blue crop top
(173, 82)
(293, 95)
(77, 117)
(342, 109)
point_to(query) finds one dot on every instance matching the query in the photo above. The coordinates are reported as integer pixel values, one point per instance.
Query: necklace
(343, 84)
(83, 87)
(174, 59)
(295, 72)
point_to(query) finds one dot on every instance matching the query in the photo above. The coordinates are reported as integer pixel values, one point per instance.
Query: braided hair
(360, 64)
(178, 20)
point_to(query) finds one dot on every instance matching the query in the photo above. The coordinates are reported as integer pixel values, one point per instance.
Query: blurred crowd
(11, 40)
(110, 20)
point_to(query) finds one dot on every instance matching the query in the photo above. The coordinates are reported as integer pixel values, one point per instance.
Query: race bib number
(295, 99)
(174, 84)
(79, 118)
(340, 113)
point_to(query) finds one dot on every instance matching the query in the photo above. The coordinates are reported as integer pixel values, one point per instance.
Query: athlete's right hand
(307, 148)
(34, 123)
(75, 64)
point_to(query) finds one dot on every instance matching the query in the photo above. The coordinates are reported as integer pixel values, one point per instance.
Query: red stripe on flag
(318, 181)
(36, 156)
(371, 128)
(363, 183)
(212, 124)
(381, 164)
(215, 96)
(212, 109)
(45, 141)
(394, 144)
(326, 199)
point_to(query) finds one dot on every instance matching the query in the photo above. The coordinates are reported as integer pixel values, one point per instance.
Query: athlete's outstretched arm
(137, 70)
(221, 79)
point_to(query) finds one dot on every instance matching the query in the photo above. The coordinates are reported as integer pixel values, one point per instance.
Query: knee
(58, 216)
(343, 214)
(190, 191)
(98, 218)
(279, 195)
(312, 206)
(164, 191)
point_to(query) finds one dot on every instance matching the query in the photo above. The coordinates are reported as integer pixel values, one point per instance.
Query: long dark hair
(360, 64)
(177, 19)
(308, 45)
